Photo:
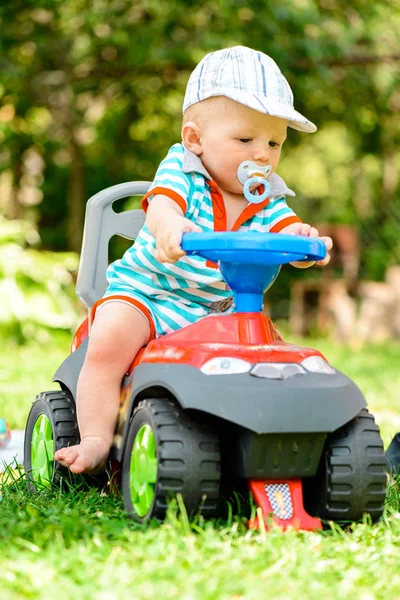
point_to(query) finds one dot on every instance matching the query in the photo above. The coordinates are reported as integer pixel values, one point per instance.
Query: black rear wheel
(351, 477)
(51, 425)
(167, 453)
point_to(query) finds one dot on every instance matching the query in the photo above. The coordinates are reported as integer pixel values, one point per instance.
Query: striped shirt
(179, 294)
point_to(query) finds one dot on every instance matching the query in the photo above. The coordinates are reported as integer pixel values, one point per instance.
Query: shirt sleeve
(281, 215)
(170, 180)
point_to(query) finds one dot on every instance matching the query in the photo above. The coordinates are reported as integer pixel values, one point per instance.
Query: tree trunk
(76, 199)
(390, 180)
(14, 211)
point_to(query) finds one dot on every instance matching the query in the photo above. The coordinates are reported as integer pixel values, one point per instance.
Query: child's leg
(117, 334)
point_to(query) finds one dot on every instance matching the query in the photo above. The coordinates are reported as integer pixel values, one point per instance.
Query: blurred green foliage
(36, 287)
(91, 94)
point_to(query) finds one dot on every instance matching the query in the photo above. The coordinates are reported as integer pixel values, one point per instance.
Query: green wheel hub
(143, 470)
(42, 450)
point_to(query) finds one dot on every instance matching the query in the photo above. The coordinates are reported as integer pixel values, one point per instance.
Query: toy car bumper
(310, 403)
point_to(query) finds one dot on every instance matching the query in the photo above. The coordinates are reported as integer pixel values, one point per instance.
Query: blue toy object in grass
(5, 432)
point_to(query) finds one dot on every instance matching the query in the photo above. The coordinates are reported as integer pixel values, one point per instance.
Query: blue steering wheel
(253, 248)
(250, 262)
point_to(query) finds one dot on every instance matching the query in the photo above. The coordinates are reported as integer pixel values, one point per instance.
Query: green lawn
(27, 370)
(81, 545)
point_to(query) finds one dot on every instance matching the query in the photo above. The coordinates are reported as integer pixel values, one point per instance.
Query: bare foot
(90, 456)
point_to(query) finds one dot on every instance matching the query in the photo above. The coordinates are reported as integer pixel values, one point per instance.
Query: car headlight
(225, 365)
(277, 370)
(312, 364)
(316, 364)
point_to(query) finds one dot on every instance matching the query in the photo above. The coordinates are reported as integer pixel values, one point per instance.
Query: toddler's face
(232, 133)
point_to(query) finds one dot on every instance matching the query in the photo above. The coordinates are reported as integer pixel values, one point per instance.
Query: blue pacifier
(250, 174)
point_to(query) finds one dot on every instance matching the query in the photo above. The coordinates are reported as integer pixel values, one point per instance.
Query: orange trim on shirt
(250, 210)
(141, 307)
(219, 214)
(284, 223)
(218, 206)
(165, 192)
(211, 265)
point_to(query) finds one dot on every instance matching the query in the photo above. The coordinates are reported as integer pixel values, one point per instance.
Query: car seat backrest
(101, 224)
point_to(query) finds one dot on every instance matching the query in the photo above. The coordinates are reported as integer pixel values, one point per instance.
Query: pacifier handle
(253, 197)
(249, 173)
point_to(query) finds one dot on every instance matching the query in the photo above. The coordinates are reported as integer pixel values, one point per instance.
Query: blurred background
(91, 94)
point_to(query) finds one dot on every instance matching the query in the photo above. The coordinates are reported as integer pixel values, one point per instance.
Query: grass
(81, 544)
(27, 370)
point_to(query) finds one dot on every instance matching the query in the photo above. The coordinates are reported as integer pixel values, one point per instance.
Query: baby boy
(236, 112)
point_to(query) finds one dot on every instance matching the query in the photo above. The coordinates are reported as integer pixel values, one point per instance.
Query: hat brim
(271, 107)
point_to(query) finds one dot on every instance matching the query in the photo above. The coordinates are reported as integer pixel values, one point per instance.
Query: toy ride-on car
(222, 402)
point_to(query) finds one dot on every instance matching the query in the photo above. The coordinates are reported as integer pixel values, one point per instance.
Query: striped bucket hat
(249, 77)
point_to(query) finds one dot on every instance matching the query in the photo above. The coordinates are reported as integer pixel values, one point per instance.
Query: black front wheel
(51, 425)
(167, 453)
(351, 477)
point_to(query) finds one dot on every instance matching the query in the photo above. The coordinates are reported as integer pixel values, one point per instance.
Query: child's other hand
(169, 238)
(308, 231)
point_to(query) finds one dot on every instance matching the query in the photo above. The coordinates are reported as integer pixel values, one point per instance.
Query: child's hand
(308, 231)
(169, 237)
